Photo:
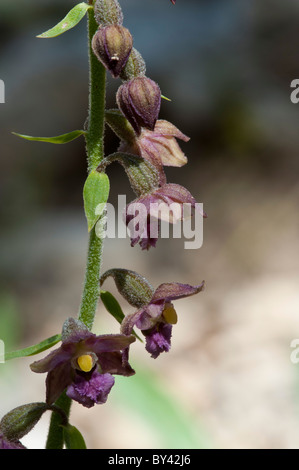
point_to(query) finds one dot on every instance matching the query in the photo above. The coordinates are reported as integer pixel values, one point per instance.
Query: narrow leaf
(73, 438)
(59, 139)
(165, 98)
(35, 349)
(95, 195)
(113, 307)
(73, 17)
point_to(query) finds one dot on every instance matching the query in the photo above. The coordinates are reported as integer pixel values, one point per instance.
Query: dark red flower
(83, 364)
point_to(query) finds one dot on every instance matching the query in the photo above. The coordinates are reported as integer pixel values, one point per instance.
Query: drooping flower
(156, 315)
(84, 364)
(157, 318)
(158, 146)
(166, 203)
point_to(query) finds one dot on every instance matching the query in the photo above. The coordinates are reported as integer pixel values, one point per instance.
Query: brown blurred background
(227, 66)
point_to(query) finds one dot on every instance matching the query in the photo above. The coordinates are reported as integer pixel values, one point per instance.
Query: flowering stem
(95, 154)
(55, 436)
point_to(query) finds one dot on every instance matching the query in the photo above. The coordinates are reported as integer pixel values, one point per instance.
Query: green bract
(73, 17)
(95, 194)
(73, 438)
(35, 349)
(58, 139)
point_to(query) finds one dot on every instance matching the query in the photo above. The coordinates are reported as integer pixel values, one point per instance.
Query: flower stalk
(95, 154)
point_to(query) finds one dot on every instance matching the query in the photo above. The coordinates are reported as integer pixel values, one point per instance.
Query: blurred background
(227, 66)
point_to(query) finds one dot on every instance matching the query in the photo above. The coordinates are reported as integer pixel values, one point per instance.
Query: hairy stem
(95, 154)
(55, 436)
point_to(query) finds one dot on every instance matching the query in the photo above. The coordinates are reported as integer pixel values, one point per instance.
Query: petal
(150, 315)
(163, 127)
(54, 359)
(177, 193)
(149, 152)
(163, 149)
(108, 343)
(57, 380)
(174, 290)
(113, 363)
(130, 321)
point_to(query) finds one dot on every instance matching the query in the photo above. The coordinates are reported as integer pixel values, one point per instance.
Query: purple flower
(83, 364)
(156, 318)
(166, 203)
(10, 444)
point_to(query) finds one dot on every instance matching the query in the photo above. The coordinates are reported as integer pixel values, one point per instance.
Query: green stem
(95, 154)
(91, 286)
(97, 96)
(55, 435)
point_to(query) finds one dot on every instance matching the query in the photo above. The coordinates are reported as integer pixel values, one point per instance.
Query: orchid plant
(82, 368)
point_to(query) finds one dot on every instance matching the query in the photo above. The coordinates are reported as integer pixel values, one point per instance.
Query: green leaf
(73, 17)
(165, 98)
(73, 438)
(59, 139)
(35, 349)
(95, 195)
(113, 307)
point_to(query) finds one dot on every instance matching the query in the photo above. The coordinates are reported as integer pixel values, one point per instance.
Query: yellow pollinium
(85, 362)
(170, 315)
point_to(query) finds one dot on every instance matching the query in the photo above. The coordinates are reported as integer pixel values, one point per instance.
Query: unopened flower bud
(108, 12)
(140, 101)
(112, 45)
(135, 66)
